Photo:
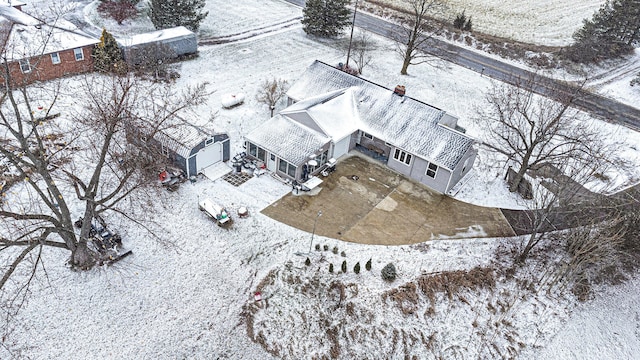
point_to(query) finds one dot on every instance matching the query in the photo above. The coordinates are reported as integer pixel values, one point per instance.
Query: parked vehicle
(104, 241)
(215, 211)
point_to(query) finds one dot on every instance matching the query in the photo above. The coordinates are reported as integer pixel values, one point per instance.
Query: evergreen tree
(307, 262)
(458, 23)
(344, 266)
(107, 55)
(613, 31)
(331, 268)
(325, 18)
(170, 13)
(368, 265)
(356, 269)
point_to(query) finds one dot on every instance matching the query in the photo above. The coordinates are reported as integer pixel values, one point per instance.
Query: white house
(331, 112)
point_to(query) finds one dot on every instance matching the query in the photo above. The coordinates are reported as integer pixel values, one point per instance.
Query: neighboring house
(192, 148)
(158, 45)
(36, 51)
(331, 112)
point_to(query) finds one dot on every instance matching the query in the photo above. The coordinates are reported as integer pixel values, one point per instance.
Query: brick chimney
(399, 90)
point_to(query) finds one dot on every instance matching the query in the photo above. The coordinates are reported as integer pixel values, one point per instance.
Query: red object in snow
(163, 176)
(258, 296)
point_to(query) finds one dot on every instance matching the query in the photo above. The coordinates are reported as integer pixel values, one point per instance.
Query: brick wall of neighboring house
(42, 67)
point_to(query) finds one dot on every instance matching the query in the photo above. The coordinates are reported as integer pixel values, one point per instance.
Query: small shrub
(388, 272)
(343, 254)
(368, 265)
(331, 268)
(307, 262)
(119, 10)
(335, 249)
(344, 266)
(317, 247)
(356, 269)
(326, 247)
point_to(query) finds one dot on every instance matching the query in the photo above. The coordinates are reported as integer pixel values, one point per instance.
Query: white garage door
(341, 147)
(208, 156)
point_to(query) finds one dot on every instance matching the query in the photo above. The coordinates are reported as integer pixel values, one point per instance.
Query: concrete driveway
(365, 202)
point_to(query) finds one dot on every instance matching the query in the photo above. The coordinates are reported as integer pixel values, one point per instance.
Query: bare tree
(84, 163)
(361, 48)
(559, 202)
(416, 31)
(531, 130)
(271, 91)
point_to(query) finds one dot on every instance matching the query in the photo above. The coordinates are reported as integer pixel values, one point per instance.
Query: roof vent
(399, 90)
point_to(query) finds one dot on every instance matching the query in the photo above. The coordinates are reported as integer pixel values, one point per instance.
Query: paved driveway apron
(365, 202)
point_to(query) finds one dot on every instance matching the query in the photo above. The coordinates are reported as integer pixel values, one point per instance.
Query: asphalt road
(605, 108)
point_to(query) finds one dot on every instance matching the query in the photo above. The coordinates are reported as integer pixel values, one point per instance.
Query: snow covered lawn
(189, 295)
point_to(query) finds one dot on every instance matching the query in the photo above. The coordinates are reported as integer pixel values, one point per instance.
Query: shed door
(341, 147)
(208, 156)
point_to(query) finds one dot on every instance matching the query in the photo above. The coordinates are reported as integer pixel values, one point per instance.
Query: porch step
(216, 171)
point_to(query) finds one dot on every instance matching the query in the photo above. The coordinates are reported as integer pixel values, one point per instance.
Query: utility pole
(314, 230)
(353, 24)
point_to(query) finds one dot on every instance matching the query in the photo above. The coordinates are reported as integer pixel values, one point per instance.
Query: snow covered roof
(24, 36)
(160, 35)
(335, 114)
(301, 140)
(404, 122)
(182, 139)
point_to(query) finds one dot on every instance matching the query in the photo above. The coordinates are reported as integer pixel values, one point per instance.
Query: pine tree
(331, 268)
(325, 18)
(368, 265)
(107, 55)
(458, 23)
(356, 269)
(170, 13)
(307, 262)
(612, 32)
(344, 266)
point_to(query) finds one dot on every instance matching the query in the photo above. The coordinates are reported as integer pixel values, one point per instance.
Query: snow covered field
(188, 296)
(544, 22)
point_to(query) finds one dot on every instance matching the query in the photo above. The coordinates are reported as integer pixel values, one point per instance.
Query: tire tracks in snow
(244, 35)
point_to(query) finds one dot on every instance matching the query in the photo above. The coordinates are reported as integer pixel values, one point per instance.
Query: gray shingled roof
(402, 121)
(287, 139)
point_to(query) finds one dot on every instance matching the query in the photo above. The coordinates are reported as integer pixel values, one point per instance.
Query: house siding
(417, 171)
(439, 183)
(42, 69)
(458, 172)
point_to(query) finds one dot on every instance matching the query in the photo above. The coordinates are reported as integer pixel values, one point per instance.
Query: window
(208, 142)
(262, 155)
(431, 170)
(402, 156)
(78, 54)
(368, 136)
(55, 58)
(165, 151)
(253, 149)
(287, 168)
(257, 152)
(273, 157)
(25, 67)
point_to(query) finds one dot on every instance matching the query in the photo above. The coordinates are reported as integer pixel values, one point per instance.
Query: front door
(271, 163)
